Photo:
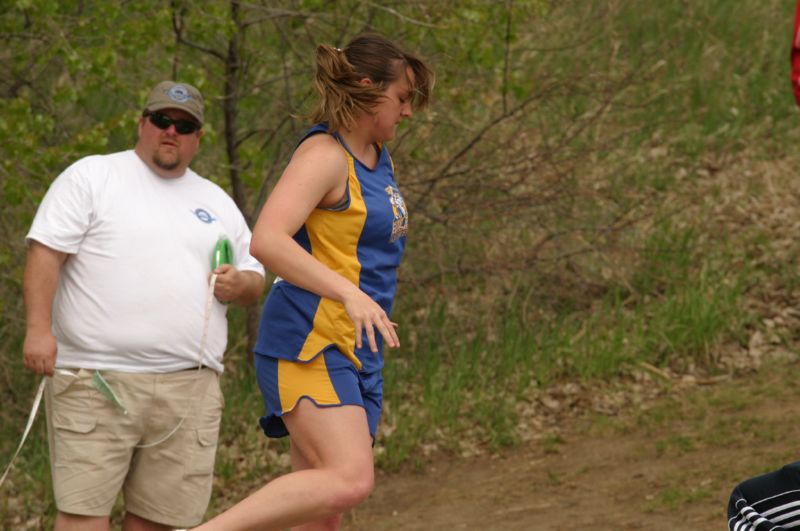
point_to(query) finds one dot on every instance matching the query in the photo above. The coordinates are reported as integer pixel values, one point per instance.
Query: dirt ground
(668, 464)
(670, 457)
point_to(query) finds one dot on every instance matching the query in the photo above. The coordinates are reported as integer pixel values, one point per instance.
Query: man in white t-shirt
(116, 291)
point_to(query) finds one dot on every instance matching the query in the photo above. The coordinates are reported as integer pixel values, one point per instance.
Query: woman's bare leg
(331, 523)
(336, 442)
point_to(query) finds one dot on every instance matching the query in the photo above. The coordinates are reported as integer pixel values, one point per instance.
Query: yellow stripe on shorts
(296, 380)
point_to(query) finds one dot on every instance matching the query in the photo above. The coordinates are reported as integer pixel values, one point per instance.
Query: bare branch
(177, 28)
(402, 16)
(507, 57)
(480, 134)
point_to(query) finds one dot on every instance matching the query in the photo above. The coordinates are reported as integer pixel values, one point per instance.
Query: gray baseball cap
(172, 95)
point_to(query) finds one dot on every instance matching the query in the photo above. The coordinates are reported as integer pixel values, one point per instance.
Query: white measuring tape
(209, 303)
(31, 418)
(104, 389)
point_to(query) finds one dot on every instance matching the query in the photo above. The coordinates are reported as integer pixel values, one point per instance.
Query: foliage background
(558, 187)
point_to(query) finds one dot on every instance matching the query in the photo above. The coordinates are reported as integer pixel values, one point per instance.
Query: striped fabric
(770, 502)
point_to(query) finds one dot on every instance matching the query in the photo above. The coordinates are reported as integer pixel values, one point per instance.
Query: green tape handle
(101, 385)
(223, 253)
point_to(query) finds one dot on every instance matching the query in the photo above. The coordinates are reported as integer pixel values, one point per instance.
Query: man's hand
(239, 287)
(39, 351)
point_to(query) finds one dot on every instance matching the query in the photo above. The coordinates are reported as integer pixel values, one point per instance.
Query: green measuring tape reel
(223, 253)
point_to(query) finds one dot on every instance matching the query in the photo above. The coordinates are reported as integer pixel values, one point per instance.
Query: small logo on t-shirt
(203, 215)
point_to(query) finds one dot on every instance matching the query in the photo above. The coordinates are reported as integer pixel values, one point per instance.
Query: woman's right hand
(367, 315)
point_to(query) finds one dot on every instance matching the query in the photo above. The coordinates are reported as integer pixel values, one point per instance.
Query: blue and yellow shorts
(328, 380)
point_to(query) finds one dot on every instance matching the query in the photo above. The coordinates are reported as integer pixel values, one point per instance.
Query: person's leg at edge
(137, 523)
(77, 522)
(337, 443)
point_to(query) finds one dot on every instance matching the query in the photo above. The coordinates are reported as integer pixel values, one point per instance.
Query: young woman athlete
(333, 230)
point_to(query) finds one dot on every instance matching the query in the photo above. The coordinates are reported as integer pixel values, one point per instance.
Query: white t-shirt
(132, 293)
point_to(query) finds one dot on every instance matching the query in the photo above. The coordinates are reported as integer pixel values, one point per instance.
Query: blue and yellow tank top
(363, 240)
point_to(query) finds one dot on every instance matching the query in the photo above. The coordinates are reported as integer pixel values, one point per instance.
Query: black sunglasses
(182, 127)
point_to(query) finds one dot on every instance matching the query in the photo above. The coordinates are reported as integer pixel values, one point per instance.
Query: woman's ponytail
(340, 73)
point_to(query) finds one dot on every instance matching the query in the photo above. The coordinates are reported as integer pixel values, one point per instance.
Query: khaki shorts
(93, 443)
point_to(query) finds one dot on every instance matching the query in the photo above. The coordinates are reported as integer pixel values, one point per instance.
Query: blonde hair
(342, 96)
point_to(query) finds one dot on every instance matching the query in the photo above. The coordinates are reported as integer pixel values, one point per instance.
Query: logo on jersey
(203, 215)
(400, 213)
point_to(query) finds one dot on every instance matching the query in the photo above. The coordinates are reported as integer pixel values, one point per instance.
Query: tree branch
(177, 28)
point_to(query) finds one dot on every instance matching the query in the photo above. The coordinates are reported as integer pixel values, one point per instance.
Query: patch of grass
(721, 69)
(599, 424)
(676, 497)
(455, 387)
(28, 489)
(552, 443)
(675, 444)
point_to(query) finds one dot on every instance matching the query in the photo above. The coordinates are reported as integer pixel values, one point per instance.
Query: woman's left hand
(368, 316)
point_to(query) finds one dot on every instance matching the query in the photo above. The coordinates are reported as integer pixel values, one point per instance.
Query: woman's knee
(353, 489)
